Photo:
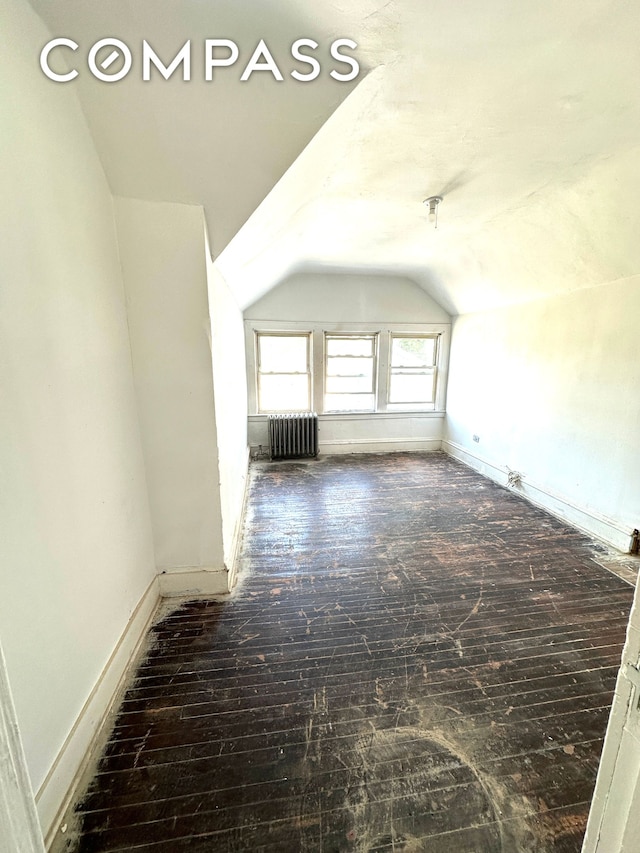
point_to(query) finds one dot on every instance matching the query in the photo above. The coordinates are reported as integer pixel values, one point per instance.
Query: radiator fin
(293, 435)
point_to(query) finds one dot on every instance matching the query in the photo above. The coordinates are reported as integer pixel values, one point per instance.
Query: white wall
(339, 301)
(162, 252)
(339, 297)
(75, 547)
(230, 393)
(551, 389)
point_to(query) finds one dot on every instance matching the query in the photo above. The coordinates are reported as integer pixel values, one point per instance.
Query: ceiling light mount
(432, 203)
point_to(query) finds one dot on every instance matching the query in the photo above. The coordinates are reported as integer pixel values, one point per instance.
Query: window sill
(357, 416)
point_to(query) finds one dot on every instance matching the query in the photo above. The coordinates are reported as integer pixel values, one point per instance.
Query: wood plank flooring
(415, 659)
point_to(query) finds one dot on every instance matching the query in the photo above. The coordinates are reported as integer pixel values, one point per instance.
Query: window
(350, 373)
(284, 374)
(412, 371)
(347, 372)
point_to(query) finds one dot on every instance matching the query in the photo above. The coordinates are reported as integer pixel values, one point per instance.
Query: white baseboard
(59, 787)
(195, 581)
(237, 533)
(587, 520)
(378, 445)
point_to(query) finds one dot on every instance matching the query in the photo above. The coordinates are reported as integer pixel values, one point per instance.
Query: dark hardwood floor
(415, 659)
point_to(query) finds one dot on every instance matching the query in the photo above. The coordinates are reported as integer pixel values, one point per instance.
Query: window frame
(316, 331)
(354, 336)
(419, 405)
(264, 333)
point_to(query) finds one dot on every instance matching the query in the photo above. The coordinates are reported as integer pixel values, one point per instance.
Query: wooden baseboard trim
(194, 582)
(237, 533)
(378, 445)
(588, 521)
(58, 789)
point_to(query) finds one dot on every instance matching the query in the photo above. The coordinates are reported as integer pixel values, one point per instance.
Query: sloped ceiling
(524, 116)
(221, 144)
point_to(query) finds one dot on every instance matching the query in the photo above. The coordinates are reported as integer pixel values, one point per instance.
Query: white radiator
(293, 435)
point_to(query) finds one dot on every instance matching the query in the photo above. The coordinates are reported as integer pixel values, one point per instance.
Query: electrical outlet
(476, 438)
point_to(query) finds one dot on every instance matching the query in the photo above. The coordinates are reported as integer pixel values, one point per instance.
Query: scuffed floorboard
(415, 660)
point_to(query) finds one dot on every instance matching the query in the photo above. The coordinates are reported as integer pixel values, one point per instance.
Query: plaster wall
(230, 393)
(340, 297)
(76, 551)
(162, 251)
(339, 301)
(550, 389)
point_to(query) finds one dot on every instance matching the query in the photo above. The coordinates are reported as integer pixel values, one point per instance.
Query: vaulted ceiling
(525, 117)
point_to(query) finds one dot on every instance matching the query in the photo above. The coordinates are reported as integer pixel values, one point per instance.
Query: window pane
(283, 353)
(349, 402)
(411, 388)
(350, 367)
(349, 346)
(349, 384)
(413, 352)
(282, 393)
